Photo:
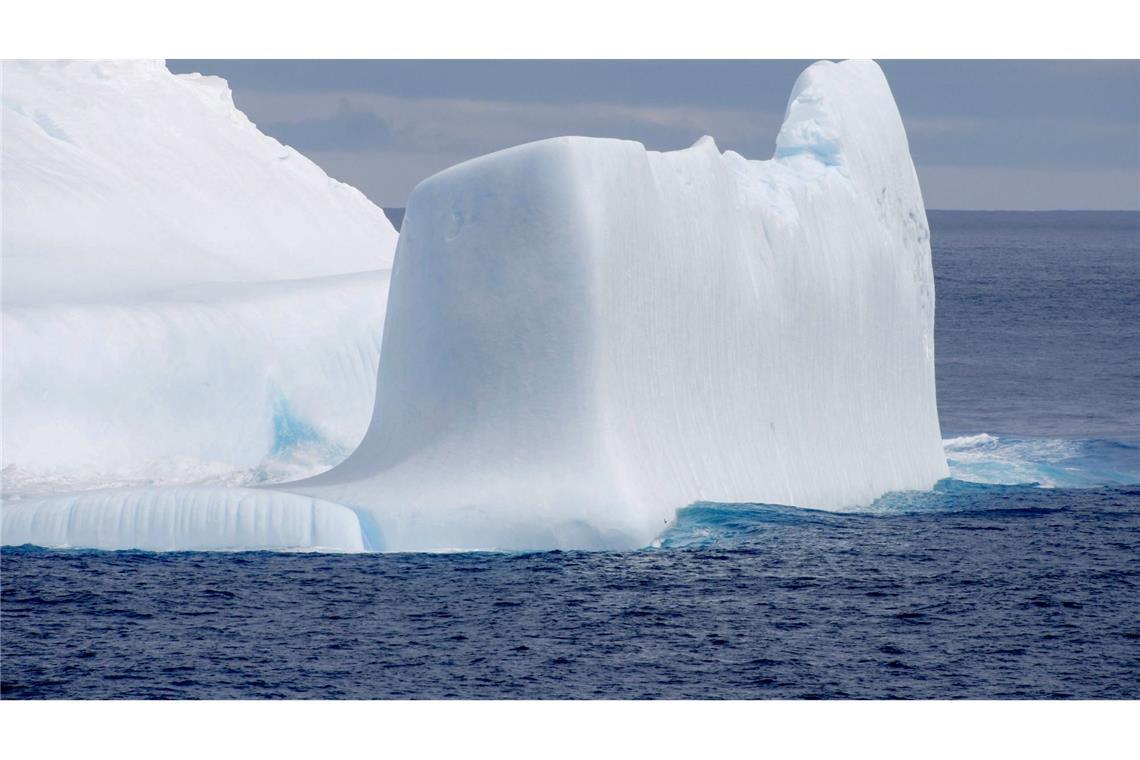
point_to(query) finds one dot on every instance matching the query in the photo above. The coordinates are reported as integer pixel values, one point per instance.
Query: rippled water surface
(989, 586)
(1004, 592)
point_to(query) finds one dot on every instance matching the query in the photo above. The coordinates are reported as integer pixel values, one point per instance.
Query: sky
(1009, 134)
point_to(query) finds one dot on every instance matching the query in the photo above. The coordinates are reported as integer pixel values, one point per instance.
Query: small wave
(744, 527)
(988, 474)
(1047, 462)
(708, 524)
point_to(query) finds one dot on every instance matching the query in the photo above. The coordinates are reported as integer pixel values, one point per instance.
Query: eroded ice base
(181, 519)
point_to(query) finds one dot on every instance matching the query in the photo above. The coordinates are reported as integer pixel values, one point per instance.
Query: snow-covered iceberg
(583, 336)
(184, 298)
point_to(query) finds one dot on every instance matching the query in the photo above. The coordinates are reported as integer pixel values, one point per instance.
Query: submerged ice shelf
(583, 336)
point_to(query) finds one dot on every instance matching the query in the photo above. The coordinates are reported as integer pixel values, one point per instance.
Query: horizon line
(982, 210)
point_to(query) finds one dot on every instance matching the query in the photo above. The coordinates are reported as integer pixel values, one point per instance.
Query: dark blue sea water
(989, 587)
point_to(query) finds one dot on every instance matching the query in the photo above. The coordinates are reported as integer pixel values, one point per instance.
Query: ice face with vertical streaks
(583, 335)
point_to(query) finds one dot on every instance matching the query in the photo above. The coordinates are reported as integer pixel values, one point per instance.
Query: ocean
(1018, 577)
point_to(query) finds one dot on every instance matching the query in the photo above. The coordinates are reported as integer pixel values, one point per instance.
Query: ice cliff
(184, 298)
(583, 336)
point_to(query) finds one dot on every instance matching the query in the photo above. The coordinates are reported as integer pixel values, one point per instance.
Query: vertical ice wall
(583, 336)
(183, 297)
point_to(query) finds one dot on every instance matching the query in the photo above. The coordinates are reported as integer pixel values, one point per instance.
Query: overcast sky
(984, 134)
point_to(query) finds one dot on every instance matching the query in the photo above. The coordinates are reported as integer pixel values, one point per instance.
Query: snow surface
(184, 298)
(122, 179)
(583, 336)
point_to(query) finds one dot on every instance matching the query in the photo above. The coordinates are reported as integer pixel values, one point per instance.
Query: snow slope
(583, 336)
(123, 179)
(184, 298)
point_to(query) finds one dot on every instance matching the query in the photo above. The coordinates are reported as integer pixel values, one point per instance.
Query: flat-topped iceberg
(583, 336)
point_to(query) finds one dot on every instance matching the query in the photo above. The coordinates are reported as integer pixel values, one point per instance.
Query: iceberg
(184, 298)
(583, 336)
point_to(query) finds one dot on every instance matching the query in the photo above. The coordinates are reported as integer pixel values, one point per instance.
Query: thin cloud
(346, 129)
(1054, 133)
(472, 126)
